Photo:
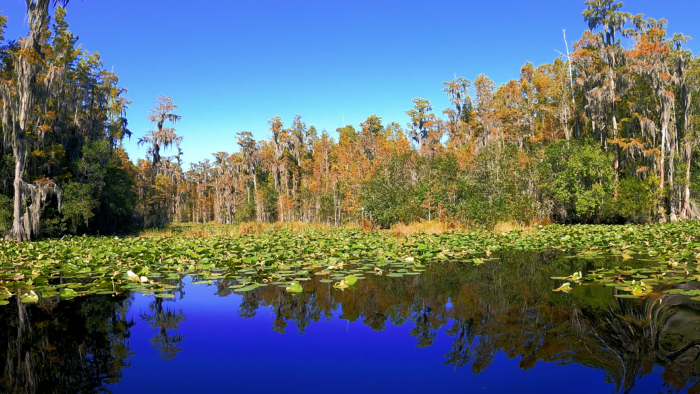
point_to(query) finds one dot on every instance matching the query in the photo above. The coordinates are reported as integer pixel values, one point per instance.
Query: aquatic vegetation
(641, 281)
(470, 314)
(653, 259)
(77, 266)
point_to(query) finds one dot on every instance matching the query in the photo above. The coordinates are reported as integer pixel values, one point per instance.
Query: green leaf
(68, 293)
(247, 288)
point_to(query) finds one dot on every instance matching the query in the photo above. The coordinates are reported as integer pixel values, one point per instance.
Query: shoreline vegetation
(199, 230)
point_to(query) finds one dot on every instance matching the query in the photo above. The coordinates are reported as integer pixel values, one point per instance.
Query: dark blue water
(498, 329)
(223, 351)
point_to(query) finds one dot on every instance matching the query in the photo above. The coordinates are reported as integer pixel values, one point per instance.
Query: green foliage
(245, 213)
(79, 205)
(327, 208)
(101, 196)
(409, 188)
(499, 188)
(578, 179)
(391, 193)
(52, 222)
(638, 199)
(5, 214)
(269, 200)
(82, 195)
(119, 196)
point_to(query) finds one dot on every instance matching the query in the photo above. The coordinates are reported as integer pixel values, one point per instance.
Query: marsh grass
(525, 229)
(205, 230)
(443, 227)
(432, 227)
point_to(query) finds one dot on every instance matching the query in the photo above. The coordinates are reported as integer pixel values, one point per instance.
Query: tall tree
(371, 133)
(19, 97)
(425, 129)
(162, 137)
(606, 14)
(251, 159)
(158, 195)
(460, 116)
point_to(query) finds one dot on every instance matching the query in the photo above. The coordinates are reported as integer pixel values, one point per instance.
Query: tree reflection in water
(508, 305)
(64, 347)
(505, 306)
(164, 320)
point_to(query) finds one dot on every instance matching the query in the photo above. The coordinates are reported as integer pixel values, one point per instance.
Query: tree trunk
(663, 158)
(18, 232)
(672, 193)
(685, 212)
(258, 211)
(37, 12)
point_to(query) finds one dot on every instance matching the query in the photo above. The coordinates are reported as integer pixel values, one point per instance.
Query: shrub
(637, 199)
(578, 179)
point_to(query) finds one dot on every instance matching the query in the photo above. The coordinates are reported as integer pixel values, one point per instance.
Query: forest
(608, 132)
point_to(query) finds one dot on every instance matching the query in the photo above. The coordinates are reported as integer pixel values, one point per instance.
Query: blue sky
(232, 65)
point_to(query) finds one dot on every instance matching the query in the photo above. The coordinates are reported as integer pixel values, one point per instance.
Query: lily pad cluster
(629, 282)
(100, 265)
(77, 266)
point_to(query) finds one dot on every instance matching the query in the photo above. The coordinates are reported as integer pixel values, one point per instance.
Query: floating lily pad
(247, 288)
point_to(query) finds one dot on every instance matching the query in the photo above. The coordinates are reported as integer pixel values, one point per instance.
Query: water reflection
(164, 320)
(509, 306)
(503, 306)
(64, 347)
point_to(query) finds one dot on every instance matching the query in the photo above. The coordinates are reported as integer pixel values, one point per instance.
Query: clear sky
(232, 65)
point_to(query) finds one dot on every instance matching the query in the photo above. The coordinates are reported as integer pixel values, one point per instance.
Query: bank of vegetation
(607, 132)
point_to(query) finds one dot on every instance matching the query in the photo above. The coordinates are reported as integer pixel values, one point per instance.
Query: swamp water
(492, 327)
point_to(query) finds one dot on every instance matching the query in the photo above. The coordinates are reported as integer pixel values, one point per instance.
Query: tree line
(605, 133)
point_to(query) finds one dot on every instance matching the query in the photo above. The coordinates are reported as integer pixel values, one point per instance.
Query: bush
(79, 204)
(408, 188)
(245, 213)
(638, 199)
(391, 193)
(578, 179)
(6, 207)
(500, 189)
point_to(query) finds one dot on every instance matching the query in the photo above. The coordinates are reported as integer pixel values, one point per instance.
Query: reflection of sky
(224, 353)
